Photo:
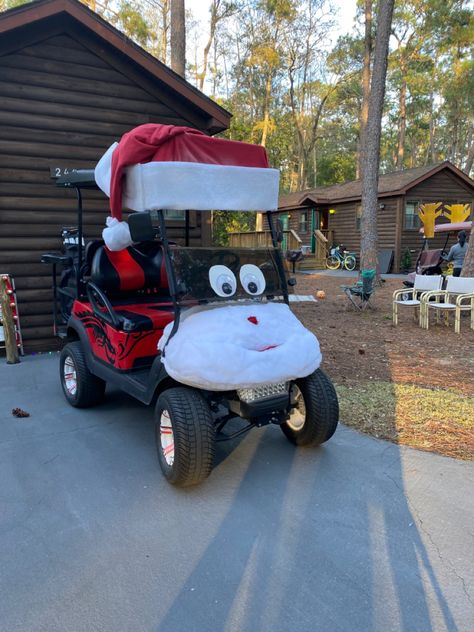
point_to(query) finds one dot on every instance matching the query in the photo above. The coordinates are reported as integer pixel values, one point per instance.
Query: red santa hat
(180, 168)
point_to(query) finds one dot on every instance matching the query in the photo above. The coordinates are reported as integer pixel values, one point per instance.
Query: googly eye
(252, 279)
(222, 281)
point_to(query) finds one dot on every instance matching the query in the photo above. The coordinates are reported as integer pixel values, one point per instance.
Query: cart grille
(248, 395)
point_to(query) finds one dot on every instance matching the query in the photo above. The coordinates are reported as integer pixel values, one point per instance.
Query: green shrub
(406, 261)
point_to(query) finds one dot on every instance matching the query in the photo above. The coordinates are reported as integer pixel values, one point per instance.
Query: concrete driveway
(359, 535)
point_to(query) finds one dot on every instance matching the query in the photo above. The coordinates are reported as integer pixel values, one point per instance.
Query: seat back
(460, 285)
(429, 259)
(130, 270)
(368, 277)
(426, 282)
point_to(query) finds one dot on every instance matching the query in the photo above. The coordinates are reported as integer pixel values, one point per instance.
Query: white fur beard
(220, 349)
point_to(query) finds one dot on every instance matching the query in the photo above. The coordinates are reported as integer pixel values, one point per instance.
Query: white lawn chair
(458, 297)
(409, 297)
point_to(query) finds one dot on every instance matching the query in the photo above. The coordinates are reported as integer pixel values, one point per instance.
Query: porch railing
(323, 240)
(263, 239)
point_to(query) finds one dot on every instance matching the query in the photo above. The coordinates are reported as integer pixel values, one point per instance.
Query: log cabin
(70, 85)
(336, 210)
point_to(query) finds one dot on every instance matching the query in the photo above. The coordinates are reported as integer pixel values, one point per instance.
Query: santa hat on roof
(179, 168)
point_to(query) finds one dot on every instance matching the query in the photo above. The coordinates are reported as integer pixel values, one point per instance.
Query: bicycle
(339, 258)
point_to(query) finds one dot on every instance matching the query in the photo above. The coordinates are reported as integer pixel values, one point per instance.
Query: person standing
(457, 253)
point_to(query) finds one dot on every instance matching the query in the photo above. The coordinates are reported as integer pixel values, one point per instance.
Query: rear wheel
(185, 436)
(81, 388)
(350, 263)
(315, 413)
(332, 262)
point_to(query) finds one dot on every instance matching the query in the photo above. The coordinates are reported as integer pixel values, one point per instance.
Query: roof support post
(398, 233)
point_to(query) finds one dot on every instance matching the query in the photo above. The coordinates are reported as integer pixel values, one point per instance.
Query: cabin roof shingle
(394, 183)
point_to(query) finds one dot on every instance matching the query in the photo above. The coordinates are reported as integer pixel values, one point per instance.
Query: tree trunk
(266, 116)
(207, 47)
(469, 159)
(364, 110)
(178, 37)
(431, 154)
(164, 32)
(371, 151)
(468, 265)
(402, 121)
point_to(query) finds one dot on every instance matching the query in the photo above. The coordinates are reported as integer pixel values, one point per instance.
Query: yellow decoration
(428, 213)
(458, 212)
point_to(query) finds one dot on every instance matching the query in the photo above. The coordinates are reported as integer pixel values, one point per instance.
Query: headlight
(249, 395)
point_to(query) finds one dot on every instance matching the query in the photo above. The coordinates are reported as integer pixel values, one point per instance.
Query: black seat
(130, 271)
(135, 285)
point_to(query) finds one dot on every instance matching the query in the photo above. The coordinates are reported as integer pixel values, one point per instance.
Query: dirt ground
(400, 383)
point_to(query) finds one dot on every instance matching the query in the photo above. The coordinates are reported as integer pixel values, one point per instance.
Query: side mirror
(279, 231)
(141, 227)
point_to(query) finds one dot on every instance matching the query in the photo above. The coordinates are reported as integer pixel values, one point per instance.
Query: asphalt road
(359, 535)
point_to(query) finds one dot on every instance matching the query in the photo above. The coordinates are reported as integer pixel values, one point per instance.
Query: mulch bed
(360, 349)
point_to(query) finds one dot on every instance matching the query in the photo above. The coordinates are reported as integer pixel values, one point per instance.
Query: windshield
(217, 274)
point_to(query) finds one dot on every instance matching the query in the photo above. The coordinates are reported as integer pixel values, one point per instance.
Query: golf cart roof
(449, 228)
(77, 178)
(157, 167)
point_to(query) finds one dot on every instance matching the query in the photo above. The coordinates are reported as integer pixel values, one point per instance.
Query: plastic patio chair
(361, 293)
(458, 297)
(412, 297)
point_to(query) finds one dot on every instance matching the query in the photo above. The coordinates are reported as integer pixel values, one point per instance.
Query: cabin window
(358, 215)
(175, 216)
(412, 221)
(303, 228)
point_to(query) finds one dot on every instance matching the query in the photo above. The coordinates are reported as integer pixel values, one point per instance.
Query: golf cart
(204, 334)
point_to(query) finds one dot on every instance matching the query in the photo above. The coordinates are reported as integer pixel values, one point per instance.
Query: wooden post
(8, 324)
(398, 234)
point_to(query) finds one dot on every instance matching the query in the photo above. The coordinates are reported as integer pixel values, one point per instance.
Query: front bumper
(268, 403)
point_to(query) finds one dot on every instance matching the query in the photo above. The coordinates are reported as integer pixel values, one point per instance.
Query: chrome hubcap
(167, 437)
(70, 377)
(298, 412)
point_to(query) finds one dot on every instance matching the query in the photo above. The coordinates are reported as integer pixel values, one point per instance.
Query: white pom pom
(116, 235)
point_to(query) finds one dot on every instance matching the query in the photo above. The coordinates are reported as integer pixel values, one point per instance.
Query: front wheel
(350, 263)
(332, 262)
(81, 388)
(185, 436)
(315, 410)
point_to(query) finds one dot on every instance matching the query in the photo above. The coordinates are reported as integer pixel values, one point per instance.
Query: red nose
(253, 319)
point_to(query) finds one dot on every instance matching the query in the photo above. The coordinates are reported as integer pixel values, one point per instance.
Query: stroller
(430, 261)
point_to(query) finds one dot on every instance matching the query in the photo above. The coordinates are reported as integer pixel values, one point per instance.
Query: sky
(345, 17)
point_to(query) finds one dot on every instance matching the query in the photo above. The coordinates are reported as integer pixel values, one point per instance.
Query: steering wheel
(228, 258)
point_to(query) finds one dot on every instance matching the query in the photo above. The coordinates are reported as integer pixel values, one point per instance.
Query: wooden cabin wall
(60, 105)
(344, 224)
(441, 187)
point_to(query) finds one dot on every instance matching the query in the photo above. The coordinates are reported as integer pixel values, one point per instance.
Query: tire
(350, 263)
(316, 421)
(81, 389)
(332, 262)
(185, 436)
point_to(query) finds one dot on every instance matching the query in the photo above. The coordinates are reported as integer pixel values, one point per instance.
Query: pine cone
(19, 412)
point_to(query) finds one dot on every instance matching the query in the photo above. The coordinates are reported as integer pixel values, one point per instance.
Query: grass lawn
(403, 384)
